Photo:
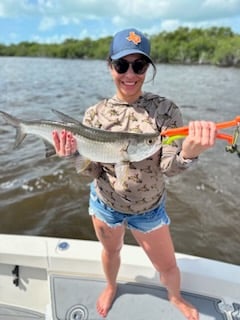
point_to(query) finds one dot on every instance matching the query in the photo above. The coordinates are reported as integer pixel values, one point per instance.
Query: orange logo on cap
(136, 39)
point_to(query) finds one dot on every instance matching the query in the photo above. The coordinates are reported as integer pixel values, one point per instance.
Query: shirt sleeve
(172, 163)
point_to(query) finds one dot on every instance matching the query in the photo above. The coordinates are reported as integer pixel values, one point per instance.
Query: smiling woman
(137, 200)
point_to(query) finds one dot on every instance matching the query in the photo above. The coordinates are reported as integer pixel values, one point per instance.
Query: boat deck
(75, 298)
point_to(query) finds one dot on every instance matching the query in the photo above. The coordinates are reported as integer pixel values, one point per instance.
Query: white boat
(50, 278)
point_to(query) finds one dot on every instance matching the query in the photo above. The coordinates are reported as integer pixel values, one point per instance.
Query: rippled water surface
(47, 197)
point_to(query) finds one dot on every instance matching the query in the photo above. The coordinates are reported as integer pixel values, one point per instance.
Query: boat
(60, 279)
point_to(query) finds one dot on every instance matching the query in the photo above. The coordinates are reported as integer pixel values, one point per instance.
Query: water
(47, 197)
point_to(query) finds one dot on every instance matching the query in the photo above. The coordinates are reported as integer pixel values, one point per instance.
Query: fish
(93, 144)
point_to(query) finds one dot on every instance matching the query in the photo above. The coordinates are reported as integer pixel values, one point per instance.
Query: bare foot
(105, 300)
(188, 310)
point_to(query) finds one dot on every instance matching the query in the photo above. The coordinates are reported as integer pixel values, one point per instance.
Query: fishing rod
(172, 134)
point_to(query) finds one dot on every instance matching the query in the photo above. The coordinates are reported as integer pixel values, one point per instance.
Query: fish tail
(15, 122)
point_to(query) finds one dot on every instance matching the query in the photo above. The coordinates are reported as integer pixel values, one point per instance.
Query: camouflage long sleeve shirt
(144, 185)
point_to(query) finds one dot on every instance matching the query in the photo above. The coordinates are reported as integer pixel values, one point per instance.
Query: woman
(138, 201)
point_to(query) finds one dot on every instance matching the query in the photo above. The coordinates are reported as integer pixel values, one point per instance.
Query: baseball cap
(129, 41)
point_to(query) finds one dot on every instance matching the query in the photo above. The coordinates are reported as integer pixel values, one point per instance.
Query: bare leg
(112, 241)
(159, 248)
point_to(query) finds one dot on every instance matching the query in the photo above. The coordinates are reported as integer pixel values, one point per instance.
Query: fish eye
(150, 141)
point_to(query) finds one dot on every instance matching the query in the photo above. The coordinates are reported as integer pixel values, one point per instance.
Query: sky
(53, 21)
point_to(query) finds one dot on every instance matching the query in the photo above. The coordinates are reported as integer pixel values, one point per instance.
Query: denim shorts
(144, 222)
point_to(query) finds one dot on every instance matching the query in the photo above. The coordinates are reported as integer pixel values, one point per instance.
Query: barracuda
(92, 144)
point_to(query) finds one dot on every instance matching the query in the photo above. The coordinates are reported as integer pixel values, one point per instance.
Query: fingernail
(69, 135)
(63, 132)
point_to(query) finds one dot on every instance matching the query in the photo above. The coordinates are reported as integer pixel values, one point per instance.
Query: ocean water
(46, 197)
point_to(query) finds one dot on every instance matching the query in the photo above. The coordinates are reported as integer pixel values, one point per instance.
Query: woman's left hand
(201, 136)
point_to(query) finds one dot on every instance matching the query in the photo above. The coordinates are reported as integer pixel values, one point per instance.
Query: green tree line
(215, 45)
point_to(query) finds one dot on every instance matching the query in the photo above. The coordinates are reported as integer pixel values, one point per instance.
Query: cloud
(184, 10)
(56, 38)
(170, 25)
(96, 18)
(64, 20)
(47, 23)
(10, 8)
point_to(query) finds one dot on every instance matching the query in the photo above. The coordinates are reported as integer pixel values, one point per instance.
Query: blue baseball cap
(129, 41)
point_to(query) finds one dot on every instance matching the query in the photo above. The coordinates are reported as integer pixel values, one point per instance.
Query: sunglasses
(139, 66)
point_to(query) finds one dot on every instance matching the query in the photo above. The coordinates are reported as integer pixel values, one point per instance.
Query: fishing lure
(173, 134)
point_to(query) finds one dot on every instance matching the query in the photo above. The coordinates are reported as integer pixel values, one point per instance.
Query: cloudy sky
(49, 21)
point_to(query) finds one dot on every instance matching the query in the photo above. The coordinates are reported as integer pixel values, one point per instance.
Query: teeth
(129, 83)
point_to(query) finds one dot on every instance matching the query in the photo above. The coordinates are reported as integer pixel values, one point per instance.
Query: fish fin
(81, 163)
(124, 152)
(65, 117)
(121, 170)
(49, 149)
(20, 136)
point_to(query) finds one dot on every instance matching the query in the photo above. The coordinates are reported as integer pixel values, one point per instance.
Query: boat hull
(50, 278)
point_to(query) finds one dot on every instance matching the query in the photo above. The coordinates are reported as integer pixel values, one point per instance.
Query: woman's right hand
(65, 143)
(201, 137)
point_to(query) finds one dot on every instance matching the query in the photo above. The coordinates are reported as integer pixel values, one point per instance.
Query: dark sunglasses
(139, 66)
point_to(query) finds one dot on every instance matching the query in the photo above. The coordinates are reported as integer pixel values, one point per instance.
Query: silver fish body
(93, 144)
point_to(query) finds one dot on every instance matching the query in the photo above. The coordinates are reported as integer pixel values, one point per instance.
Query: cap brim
(126, 52)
